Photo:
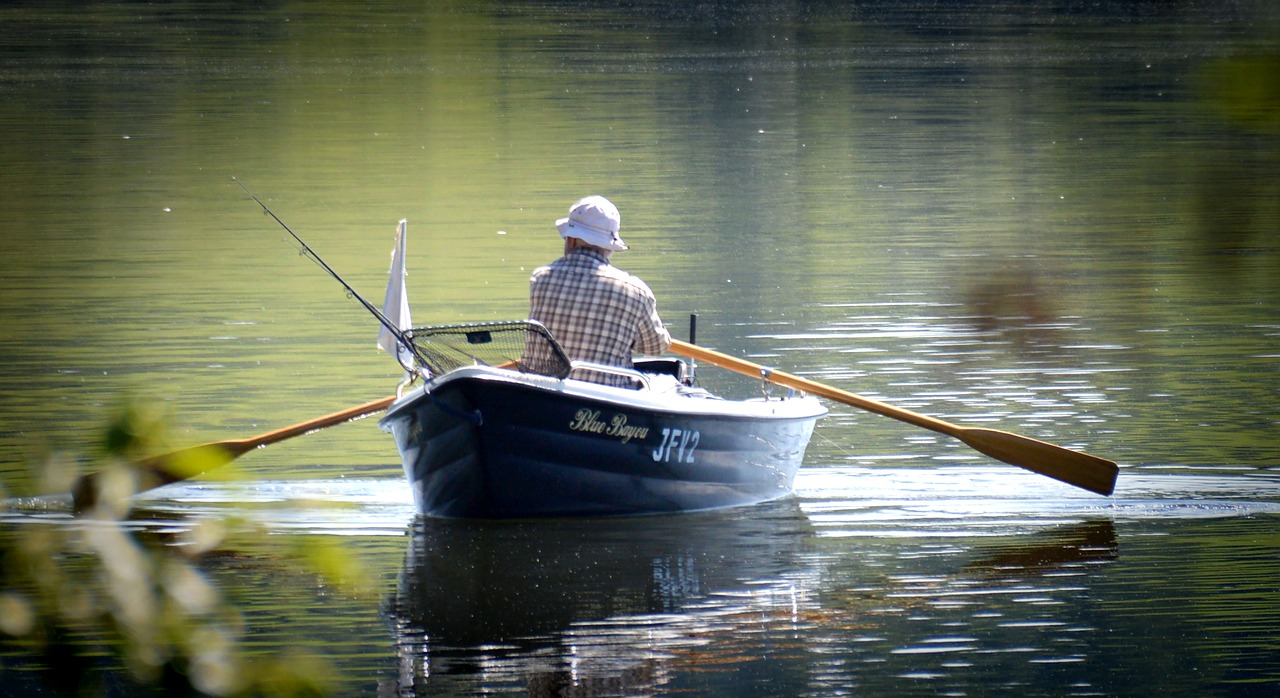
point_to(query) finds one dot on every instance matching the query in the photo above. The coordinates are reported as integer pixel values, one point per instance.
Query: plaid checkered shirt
(596, 312)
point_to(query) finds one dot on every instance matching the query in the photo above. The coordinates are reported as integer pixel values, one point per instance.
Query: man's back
(597, 313)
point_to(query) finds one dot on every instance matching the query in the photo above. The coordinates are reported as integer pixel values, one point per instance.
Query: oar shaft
(812, 387)
(179, 465)
(1072, 467)
(320, 423)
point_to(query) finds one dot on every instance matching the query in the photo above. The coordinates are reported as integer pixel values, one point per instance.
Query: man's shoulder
(629, 279)
(560, 264)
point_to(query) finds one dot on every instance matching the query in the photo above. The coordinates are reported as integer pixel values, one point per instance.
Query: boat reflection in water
(597, 604)
(627, 606)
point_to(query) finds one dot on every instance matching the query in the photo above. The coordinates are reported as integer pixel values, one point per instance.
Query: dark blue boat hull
(484, 446)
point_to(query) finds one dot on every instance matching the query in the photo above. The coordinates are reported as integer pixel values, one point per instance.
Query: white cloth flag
(396, 306)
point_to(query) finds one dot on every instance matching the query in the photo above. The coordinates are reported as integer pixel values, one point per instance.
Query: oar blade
(157, 471)
(188, 462)
(1072, 467)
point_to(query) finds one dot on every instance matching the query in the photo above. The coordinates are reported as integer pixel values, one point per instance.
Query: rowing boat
(486, 438)
(483, 438)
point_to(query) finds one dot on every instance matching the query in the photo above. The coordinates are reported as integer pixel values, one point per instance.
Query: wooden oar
(1072, 467)
(167, 468)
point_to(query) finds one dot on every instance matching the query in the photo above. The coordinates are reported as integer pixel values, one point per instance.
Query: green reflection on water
(1056, 222)
(767, 179)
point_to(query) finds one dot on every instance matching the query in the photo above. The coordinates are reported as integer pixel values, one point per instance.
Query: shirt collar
(594, 254)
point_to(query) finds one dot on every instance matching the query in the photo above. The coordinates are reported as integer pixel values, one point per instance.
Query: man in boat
(596, 311)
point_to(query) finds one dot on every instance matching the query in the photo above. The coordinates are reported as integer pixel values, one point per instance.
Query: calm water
(1055, 220)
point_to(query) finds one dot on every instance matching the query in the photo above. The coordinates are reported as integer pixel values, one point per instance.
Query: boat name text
(589, 421)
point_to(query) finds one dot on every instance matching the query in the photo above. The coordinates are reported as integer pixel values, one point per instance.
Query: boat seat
(664, 366)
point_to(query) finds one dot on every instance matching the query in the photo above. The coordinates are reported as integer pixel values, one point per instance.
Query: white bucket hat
(594, 220)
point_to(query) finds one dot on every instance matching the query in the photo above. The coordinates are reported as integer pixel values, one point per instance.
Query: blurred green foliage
(86, 601)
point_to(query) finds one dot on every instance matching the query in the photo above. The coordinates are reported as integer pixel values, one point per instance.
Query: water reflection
(1061, 548)
(599, 605)
(638, 606)
(881, 580)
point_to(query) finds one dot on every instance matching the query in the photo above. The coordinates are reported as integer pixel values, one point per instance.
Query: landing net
(523, 345)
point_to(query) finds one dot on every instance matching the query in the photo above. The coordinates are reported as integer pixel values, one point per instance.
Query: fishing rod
(404, 339)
